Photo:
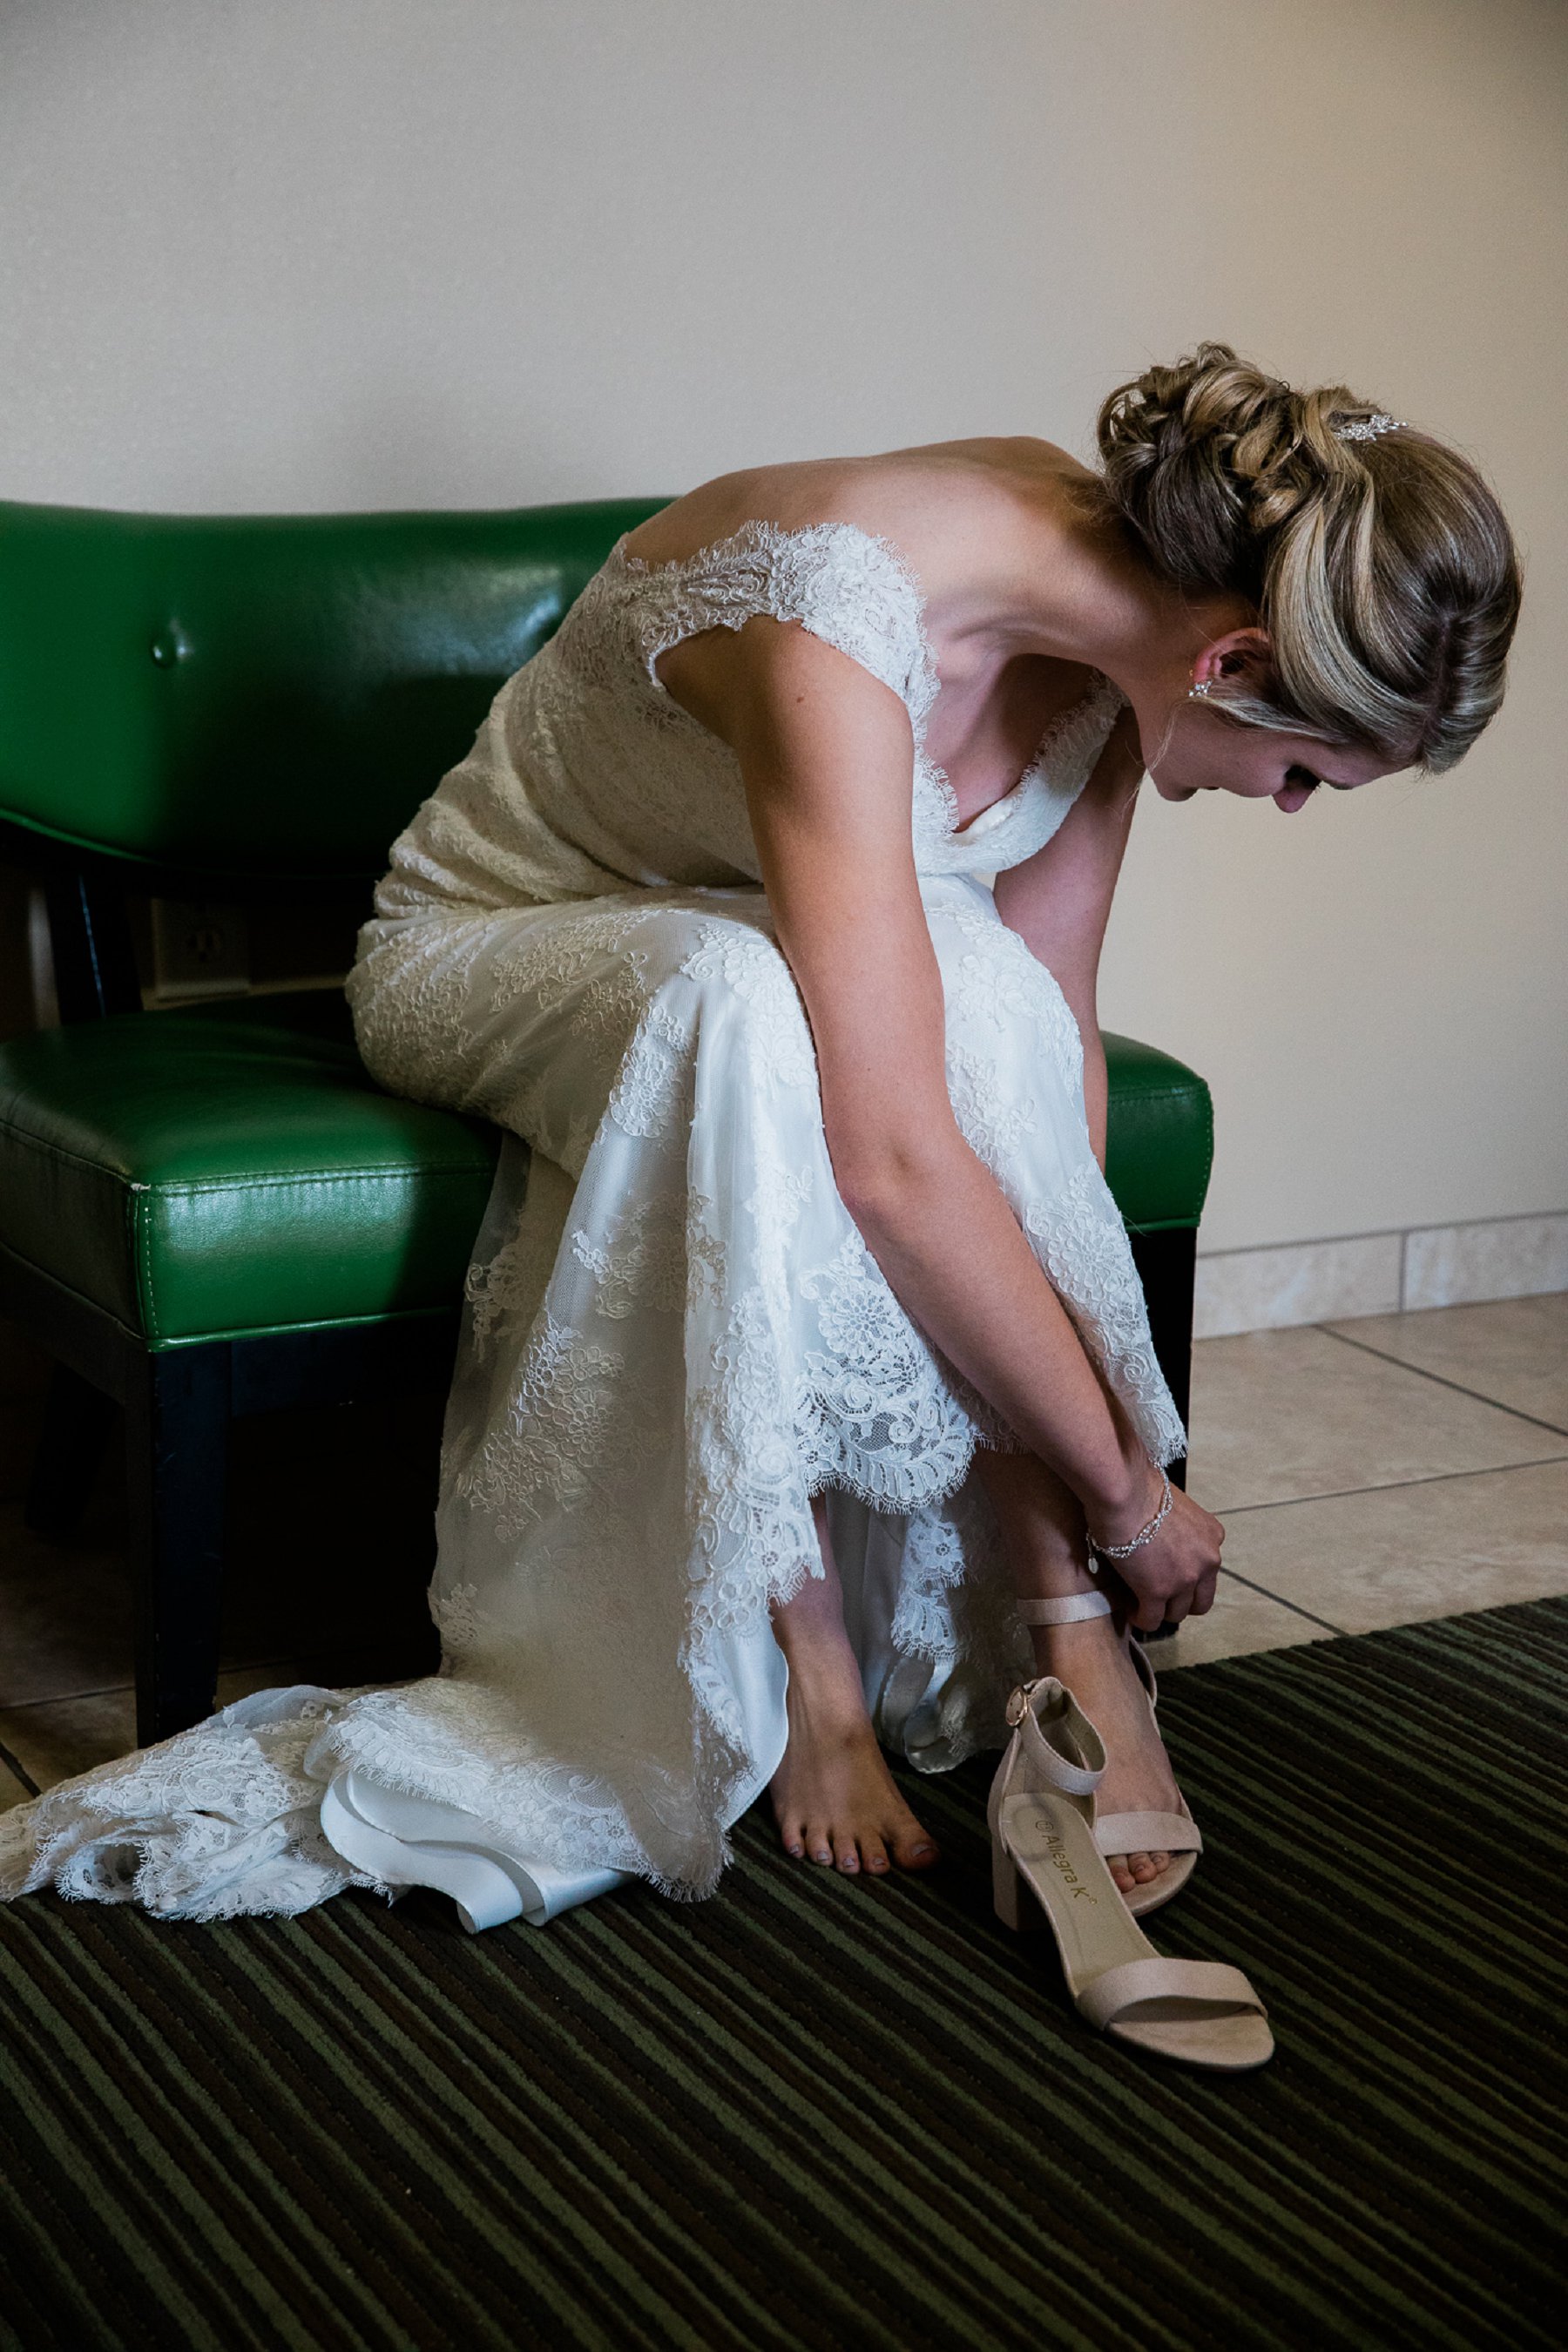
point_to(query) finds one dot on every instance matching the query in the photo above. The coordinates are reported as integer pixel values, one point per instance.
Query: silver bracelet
(1145, 1535)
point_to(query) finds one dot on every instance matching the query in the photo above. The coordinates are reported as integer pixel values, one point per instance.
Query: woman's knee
(742, 984)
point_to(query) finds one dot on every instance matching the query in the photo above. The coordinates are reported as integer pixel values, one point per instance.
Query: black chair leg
(77, 1418)
(176, 1455)
(1167, 1267)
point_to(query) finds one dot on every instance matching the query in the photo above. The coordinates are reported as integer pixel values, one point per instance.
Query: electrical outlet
(199, 948)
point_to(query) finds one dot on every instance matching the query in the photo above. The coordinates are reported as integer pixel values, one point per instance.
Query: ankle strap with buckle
(1074, 1778)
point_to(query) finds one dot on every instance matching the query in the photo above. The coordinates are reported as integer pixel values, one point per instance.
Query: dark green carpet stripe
(455, 2131)
(840, 2107)
(591, 2102)
(144, 2177)
(816, 2114)
(851, 2185)
(671, 2061)
(238, 2158)
(473, 2140)
(306, 2206)
(196, 2160)
(1122, 2140)
(592, 2092)
(646, 2183)
(456, 2032)
(683, 2044)
(942, 2163)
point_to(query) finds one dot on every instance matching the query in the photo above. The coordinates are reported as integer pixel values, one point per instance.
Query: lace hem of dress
(218, 1824)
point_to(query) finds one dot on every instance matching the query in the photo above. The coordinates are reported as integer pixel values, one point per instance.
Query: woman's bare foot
(834, 1798)
(1095, 1662)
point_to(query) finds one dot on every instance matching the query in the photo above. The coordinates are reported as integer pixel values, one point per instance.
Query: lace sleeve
(854, 592)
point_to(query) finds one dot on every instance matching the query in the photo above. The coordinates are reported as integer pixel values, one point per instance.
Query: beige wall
(338, 253)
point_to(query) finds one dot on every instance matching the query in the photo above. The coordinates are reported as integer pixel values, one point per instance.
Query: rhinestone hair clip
(1368, 428)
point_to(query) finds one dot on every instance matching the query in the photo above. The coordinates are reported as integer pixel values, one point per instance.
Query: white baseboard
(1378, 1273)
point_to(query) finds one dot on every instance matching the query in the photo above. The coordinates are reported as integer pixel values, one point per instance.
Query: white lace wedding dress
(674, 1335)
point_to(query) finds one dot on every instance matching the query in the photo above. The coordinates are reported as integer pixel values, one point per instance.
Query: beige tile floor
(1376, 1472)
(1369, 1474)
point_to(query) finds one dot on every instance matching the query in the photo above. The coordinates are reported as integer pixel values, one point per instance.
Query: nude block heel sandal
(1045, 1858)
(1174, 1833)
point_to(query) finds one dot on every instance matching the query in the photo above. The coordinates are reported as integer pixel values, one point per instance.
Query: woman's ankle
(1058, 1646)
(1054, 1576)
(824, 1685)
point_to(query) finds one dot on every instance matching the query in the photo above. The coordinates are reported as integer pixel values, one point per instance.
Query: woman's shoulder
(936, 504)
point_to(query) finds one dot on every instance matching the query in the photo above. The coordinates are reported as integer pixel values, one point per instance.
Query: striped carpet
(818, 2114)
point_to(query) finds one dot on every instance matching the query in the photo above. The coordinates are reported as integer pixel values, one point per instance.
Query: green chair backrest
(264, 695)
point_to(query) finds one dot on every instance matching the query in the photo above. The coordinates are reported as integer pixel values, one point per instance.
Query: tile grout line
(65, 1698)
(112, 1690)
(1441, 1378)
(1295, 1608)
(18, 1771)
(1396, 1233)
(1389, 1486)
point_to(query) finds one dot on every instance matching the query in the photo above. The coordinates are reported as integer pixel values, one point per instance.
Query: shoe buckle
(1018, 1704)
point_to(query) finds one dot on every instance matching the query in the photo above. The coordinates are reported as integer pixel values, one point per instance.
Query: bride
(805, 1404)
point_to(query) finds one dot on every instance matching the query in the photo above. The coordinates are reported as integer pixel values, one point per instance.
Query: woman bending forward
(805, 1342)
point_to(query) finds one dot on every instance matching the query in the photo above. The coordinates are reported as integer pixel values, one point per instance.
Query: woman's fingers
(1174, 1575)
(1194, 1599)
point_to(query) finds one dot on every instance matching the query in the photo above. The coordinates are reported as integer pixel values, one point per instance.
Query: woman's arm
(826, 755)
(1058, 901)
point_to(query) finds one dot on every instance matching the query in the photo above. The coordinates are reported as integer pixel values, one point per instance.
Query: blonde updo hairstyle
(1382, 569)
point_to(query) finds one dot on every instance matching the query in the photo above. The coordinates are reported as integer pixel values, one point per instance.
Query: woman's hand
(1174, 1575)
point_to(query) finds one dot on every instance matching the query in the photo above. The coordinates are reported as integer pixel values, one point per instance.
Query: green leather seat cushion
(234, 1170)
(205, 1176)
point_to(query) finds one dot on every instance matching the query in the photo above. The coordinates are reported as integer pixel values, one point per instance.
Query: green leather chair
(211, 1213)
